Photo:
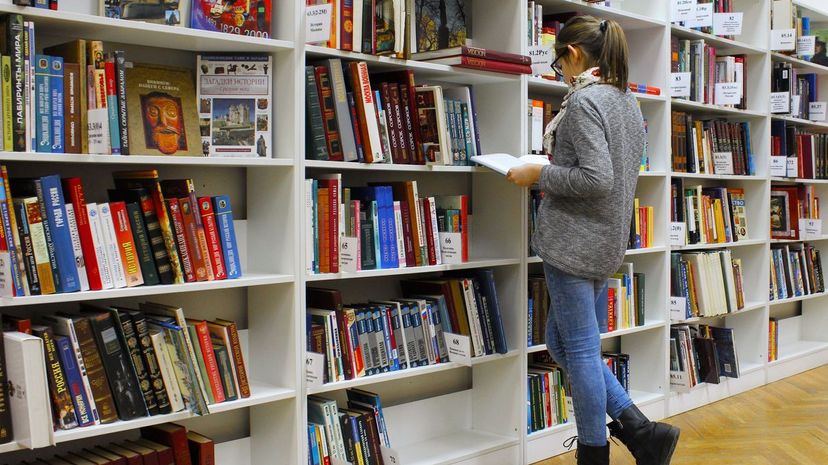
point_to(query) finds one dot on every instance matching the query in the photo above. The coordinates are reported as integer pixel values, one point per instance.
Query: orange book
(126, 244)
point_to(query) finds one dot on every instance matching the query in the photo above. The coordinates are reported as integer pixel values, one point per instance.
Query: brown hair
(604, 43)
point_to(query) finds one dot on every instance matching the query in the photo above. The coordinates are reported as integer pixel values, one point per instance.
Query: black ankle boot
(651, 443)
(591, 455)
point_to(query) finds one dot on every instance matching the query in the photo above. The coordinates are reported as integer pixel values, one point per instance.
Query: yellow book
(718, 219)
(637, 217)
(650, 227)
(5, 65)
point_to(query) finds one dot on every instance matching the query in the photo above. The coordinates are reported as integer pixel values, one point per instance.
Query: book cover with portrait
(161, 104)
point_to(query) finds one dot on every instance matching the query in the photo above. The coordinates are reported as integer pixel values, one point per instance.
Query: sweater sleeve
(593, 175)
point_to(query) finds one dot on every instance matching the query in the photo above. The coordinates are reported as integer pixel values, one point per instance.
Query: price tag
(678, 308)
(683, 10)
(318, 22)
(314, 366)
(792, 164)
(542, 58)
(727, 24)
(810, 229)
(459, 348)
(816, 110)
(722, 162)
(348, 254)
(778, 166)
(728, 93)
(390, 456)
(678, 234)
(806, 45)
(783, 40)
(451, 245)
(680, 84)
(780, 102)
(703, 16)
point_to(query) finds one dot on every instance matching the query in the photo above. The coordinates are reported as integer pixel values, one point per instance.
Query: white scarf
(587, 78)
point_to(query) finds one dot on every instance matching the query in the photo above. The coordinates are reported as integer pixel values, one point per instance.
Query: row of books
(795, 270)
(74, 98)
(547, 396)
(642, 226)
(712, 215)
(386, 117)
(810, 150)
(707, 70)
(701, 354)
(700, 145)
(802, 89)
(151, 232)
(382, 226)
(356, 434)
(710, 282)
(109, 363)
(788, 205)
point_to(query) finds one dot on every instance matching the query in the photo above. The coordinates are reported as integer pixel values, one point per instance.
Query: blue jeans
(574, 341)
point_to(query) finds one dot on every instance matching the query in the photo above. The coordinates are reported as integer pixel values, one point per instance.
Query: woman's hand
(525, 175)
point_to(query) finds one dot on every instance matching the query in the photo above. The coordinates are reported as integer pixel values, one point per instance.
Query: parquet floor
(783, 423)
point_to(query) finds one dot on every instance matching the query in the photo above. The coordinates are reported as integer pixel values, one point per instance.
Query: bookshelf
(447, 413)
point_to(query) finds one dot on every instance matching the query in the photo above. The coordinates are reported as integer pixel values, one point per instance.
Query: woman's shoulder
(600, 96)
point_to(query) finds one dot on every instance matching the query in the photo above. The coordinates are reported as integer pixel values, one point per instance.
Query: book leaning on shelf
(356, 434)
(150, 232)
(701, 354)
(710, 282)
(795, 270)
(712, 215)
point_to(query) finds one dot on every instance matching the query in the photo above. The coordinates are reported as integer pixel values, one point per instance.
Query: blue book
(806, 31)
(385, 232)
(74, 380)
(314, 446)
(529, 340)
(389, 225)
(42, 4)
(375, 222)
(224, 221)
(56, 88)
(487, 287)
(378, 334)
(112, 110)
(410, 348)
(12, 263)
(43, 107)
(66, 279)
(387, 330)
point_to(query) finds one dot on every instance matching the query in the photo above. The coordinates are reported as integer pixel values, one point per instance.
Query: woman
(596, 142)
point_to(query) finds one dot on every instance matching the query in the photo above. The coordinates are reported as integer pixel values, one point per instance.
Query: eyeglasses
(557, 67)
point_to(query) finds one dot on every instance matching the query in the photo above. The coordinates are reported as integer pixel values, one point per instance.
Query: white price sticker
(816, 111)
(349, 254)
(778, 166)
(792, 164)
(722, 162)
(459, 348)
(728, 93)
(679, 84)
(780, 102)
(318, 22)
(678, 234)
(810, 229)
(390, 456)
(314, 366)
(451, 246)
(678, 308)
(806, 45)
(683, 10)
(679, 381)
(542, 58)
(727, 24)
(783, 40)
(703, 16)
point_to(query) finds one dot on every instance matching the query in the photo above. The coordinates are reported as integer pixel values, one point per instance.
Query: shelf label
(703, 16)
(348, 254)
(780, 102)
(783, 40)
(793, 167)
(542, 58)
(683, 10)
(796, 103)
(816, 111)
(318, 22)
(679, 84)
(778, 166)
(806, 46)
(810, 229)
(314, 364)
(390, 456)
(728, 93)
(451, 246)
(678, 308)
(98, 131)
(727, 24)
(679, 381)
(678, 234)
(722, 162)
(459, 348)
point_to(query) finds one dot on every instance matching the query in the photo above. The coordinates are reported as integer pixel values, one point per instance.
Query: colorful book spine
(227, 232)
(208, 218)
(18, 268)
(77, 251)
(74, 381)
(177, 224)
(56, 75)
(142, 244)
(6, 74)
(110, 245)
(14, 30)
(126, 244)
(112, 107)
(74, 191)
(43, 105)
(63, 409)
(31, 215)
(209, 356)
(120, 84)
(55, 210)
(32, 275)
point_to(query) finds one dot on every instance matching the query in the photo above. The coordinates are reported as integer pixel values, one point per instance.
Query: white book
(167, 373)
(107, 282)
(113, 255)
(400, 239)
(366, 95)
(502, 162)
(309, 258)
(418, 219)
(64, 326)
(435, 230)
(537, 126)
(76, 247)
(357, 30)
(474, 318)
(730, 280)
(29, 400)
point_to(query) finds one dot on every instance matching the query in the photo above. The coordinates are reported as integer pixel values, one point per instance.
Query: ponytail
(604, 43)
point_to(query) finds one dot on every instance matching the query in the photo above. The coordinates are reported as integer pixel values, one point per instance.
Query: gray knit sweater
(584, 218)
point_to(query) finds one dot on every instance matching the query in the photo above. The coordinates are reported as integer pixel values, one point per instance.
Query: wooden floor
(784, 423)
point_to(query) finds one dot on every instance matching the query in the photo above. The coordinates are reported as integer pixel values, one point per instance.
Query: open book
(502, 162)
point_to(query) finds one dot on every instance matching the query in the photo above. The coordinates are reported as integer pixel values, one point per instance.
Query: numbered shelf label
(683, 10)
(542, 58)
(728, 93)
(816, 111)
(703, 16)
(314, 366)
(678, 308)
(780, 102)
(318, 22)
(459, 348)
(451, 247)
(679, 84)
(810, 229)
(723, 162)
(783, 40)
(727, 24)
(678, 233)
(806, 46)
(778, 166)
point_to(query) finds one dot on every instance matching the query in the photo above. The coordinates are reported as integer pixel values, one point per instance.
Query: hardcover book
(247, 17)
(234, 104)
(63, 410)
(161, 111)
(171, 13)
(440, 24)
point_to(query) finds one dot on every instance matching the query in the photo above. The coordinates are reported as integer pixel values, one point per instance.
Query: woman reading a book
(596, 142)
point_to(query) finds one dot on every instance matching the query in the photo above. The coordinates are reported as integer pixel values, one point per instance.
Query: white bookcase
(448, 413)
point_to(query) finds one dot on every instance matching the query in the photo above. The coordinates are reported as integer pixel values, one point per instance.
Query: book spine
(56, 74)
(110, 242)
(8, 135)
(47, 232)
(340, 100)
(121, 90)
(63, 413)
(99, 246)
(432, 243)
(95, 371)
(211, 365)
(126, 244)
(77, 252)
(316, 148)
(166, 370)
(177, 228)
(238, 360)
(200, 233)
(224, 219)
(42, 105)
(56, 219)
(347, 25)
(133, 348)
(111, 95)
(74, 381)
(192, 237)
(208, 218)
(488, 54)
(355, 126)
(14, 30)
(156, 239)
(165, 223)
(367, 113)
(30, 262)
(328, 111)
(152, 364)
(142, 244)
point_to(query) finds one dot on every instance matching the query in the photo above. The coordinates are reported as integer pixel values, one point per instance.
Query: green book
(639, 281)
(202, 367)
(225, 371)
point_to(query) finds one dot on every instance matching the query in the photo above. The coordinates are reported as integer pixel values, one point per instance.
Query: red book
(149, 456)
(185, 188)
(114, 459)
(132, 457)
(126, 244)
(208, 217)
(475, 52)
(177, 223)
(191, 236)
(172, 435)
(109, 69)
(323, 227)
(202, 449)
(611, 309)
(430, 239)
(485, 64)
(73, 190)
(346, 17)
(14, 323)
(213, 375)
(165, 453)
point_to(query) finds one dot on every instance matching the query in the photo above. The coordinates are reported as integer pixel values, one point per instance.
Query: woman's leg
(617, 398)
(573, 310)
